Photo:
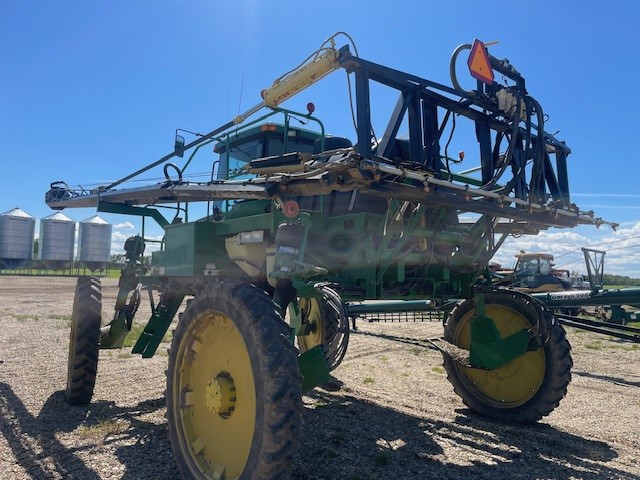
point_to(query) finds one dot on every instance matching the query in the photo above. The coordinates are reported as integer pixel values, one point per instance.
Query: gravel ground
(393, 414)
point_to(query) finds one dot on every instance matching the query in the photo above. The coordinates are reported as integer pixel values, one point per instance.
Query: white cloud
(152, 246)
(124, 226)
(118, 239)
(117, 242)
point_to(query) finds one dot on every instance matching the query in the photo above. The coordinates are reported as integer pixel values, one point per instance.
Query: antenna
(241, 89)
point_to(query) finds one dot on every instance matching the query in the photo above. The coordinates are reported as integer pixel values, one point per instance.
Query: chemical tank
(94, 242)
(57, 239)
(17, 229)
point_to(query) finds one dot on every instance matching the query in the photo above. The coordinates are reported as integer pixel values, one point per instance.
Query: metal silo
(57, 239)
(17, 230)
(94, 242)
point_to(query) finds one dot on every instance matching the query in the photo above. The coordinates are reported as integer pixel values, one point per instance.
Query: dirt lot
(395, 415)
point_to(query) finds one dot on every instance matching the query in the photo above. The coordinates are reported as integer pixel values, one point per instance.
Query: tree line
(621, 280)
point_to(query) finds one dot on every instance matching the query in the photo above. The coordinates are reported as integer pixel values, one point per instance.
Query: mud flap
(313, 367)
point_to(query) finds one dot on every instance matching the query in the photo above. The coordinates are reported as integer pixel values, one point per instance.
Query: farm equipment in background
(534, 273)
(307, 228)
(612, 306)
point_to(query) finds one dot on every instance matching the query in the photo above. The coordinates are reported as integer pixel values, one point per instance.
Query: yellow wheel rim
(215, 396)
(516, 382)
(310, 311)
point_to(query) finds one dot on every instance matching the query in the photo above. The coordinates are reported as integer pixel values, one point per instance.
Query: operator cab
(534, 273)
(267, 140)
(239, 148)
(266, 145)
(533, 264)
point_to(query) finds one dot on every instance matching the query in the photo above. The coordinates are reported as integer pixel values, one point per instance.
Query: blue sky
(90, 91)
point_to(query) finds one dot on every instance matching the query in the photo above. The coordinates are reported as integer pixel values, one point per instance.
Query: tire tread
(84, 341)
(557, 371)
(277, 436)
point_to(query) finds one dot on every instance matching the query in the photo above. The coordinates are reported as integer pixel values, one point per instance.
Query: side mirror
(178, 145)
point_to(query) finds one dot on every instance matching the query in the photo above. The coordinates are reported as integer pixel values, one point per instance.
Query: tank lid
(16, 212)
(59, 216)
(96, 220)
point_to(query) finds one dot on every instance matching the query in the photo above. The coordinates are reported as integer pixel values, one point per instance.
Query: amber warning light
(478, 63)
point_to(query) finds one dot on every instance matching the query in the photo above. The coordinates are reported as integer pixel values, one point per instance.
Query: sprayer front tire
(528, 387)
(84, 341)
(233, 395)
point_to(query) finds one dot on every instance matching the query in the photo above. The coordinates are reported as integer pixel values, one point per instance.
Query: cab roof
(548, 256)
(267, 130)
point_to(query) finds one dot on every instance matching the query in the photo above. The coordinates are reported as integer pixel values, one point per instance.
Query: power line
(608, 250)
(599, 244)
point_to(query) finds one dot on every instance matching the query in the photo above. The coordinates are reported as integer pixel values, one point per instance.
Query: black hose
(175, 167)
(452, 66)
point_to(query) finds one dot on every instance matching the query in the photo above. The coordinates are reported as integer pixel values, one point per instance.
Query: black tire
(328, 329)
(84, 341)
(234, 399)
(527, 388)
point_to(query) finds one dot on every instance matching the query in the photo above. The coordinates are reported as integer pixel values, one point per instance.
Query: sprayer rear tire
(234, 401)
(84, 341)
(525, 389)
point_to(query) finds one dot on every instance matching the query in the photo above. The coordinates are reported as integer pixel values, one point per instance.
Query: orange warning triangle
(478, 63)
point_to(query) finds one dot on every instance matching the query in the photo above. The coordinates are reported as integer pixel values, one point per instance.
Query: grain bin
(94, 242)
(17, 230)
(57, 239)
